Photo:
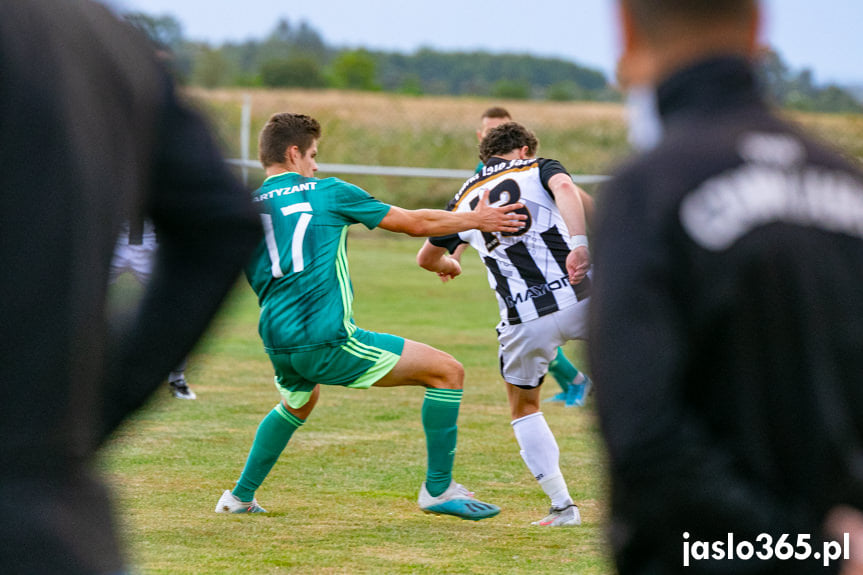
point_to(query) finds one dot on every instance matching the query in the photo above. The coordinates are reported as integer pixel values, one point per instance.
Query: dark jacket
(727, 330)
(92, 133)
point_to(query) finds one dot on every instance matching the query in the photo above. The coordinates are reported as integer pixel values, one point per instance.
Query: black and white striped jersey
(526, 269)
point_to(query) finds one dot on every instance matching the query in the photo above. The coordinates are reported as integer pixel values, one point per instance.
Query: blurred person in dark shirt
(727, 314)
(92, 134)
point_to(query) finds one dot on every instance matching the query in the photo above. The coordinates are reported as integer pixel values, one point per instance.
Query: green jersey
(300, 269)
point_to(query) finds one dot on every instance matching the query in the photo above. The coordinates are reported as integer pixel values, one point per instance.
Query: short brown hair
(283, 131)
(505, 138)
(656, 17)
(496, 112)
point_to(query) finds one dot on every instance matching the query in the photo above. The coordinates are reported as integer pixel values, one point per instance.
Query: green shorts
(360, 362)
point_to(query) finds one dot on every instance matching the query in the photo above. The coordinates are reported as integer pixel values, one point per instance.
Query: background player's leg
(142, 260)
(178, 384)
(178, 372)
(562, 370)
(572, 325)
(572, 382)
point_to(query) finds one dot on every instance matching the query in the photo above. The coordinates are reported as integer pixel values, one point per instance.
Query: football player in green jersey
(300, 274)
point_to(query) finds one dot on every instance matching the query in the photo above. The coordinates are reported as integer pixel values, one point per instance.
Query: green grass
(342, 498)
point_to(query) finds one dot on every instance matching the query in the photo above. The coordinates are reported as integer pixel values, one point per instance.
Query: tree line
(296, 56)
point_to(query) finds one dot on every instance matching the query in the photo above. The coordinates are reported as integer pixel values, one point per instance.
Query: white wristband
(577, 242)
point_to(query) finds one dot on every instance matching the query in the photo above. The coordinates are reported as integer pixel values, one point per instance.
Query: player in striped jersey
(300, 274)
(574, 384)
(540, 276)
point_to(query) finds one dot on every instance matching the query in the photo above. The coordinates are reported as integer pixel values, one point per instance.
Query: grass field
(342, 499)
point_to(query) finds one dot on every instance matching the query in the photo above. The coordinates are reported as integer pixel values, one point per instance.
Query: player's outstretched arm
(425, 223)
(437, 259)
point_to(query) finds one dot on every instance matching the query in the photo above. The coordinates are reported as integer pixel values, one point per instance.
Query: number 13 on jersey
(305, 217)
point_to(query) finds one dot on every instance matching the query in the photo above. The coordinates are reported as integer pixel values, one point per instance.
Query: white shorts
(527, 348)
(136, 259)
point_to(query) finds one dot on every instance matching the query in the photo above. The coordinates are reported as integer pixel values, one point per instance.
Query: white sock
(555, 488)
(542, 456)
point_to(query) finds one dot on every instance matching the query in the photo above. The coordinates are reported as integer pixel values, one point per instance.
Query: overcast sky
(823, 35)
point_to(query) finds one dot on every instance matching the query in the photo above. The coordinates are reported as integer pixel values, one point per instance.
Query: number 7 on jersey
(305, 211)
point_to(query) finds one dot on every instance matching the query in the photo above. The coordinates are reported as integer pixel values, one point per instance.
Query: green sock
(562, 370)
(272, 436)
(440, 417)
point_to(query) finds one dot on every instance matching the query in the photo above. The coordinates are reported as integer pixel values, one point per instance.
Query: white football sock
(542, 456)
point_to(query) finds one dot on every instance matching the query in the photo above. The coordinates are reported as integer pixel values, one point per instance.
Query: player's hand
(450, 270)
(498, 219)
(577, 264)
